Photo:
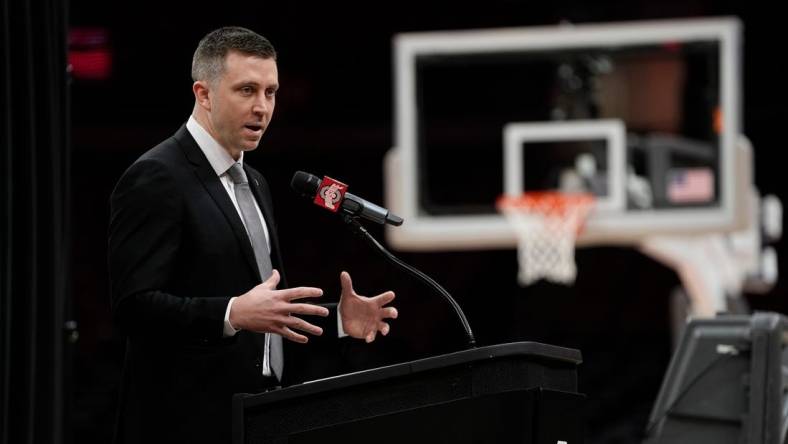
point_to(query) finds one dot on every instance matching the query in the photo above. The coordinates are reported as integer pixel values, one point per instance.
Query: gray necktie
(254, 227)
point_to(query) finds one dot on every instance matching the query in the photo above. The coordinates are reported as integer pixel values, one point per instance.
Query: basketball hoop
(547, 224)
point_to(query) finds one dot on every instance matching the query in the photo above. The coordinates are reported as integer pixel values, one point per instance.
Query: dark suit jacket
(178, 252)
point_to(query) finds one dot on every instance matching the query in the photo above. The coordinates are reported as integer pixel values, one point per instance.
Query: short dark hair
(208, 60)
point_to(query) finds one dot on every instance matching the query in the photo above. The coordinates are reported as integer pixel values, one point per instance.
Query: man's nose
(259, 107)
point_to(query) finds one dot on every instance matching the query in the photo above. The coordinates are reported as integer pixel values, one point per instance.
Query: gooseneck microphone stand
(355, 226)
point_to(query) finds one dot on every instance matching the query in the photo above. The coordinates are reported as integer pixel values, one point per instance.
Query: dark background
(334, 117)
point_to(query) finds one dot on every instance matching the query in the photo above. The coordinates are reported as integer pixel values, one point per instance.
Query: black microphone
(308, 186)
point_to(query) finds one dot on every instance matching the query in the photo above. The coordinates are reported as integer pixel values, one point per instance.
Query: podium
(522, 392)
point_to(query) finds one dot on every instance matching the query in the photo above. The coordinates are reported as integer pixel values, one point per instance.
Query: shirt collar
(218, 157)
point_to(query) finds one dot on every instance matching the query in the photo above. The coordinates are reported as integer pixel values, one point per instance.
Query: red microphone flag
(330, 194)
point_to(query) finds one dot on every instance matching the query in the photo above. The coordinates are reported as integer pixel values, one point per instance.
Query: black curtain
(34, 228)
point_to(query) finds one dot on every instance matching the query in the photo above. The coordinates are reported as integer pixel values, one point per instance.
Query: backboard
(646, 115)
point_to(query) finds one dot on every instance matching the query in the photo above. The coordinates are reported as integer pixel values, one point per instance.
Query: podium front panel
(428, 384)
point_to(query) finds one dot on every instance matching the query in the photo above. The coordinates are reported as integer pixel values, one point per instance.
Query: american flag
(690, 185)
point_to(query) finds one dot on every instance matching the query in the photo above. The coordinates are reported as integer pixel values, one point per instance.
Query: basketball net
(547, 224)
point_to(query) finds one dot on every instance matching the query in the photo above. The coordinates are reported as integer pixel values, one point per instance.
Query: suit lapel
(206, 174)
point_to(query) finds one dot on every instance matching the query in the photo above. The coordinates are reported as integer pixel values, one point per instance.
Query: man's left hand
(363, 317)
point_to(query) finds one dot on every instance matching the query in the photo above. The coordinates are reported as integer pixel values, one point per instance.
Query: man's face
(242, 101)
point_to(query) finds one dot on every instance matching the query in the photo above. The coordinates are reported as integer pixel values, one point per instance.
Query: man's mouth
(254, 127)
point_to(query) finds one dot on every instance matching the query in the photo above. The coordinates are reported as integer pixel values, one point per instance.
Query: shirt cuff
(228, 330)
(340, 331)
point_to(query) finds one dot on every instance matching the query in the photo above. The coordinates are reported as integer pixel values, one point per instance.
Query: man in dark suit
(195, 262)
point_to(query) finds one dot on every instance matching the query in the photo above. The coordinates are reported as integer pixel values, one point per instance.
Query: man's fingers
(389, 312)
(383, 328)
(272, 281)
(293, 336)
(347, 283)
(303, 325)
(371, 336)
(300, 292)
(385, 298)
(308, 309)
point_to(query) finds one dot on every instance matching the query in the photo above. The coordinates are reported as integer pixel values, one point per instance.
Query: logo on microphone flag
(330, 194)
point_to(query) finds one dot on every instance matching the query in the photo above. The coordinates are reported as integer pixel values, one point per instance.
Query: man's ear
(201, 91)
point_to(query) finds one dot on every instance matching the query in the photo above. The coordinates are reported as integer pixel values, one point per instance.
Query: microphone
(332, 195)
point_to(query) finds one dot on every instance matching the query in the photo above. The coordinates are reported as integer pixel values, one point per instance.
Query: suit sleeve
(146, 211)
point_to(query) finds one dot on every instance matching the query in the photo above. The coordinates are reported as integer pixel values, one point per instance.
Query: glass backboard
(645, 115)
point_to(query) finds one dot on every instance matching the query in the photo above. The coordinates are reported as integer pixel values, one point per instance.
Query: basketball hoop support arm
(359, 229)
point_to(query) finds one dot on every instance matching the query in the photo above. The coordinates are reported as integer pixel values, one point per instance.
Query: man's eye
(246, 90)
(270, 92)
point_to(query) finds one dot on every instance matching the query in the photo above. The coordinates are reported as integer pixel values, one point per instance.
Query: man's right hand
(265, 309)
